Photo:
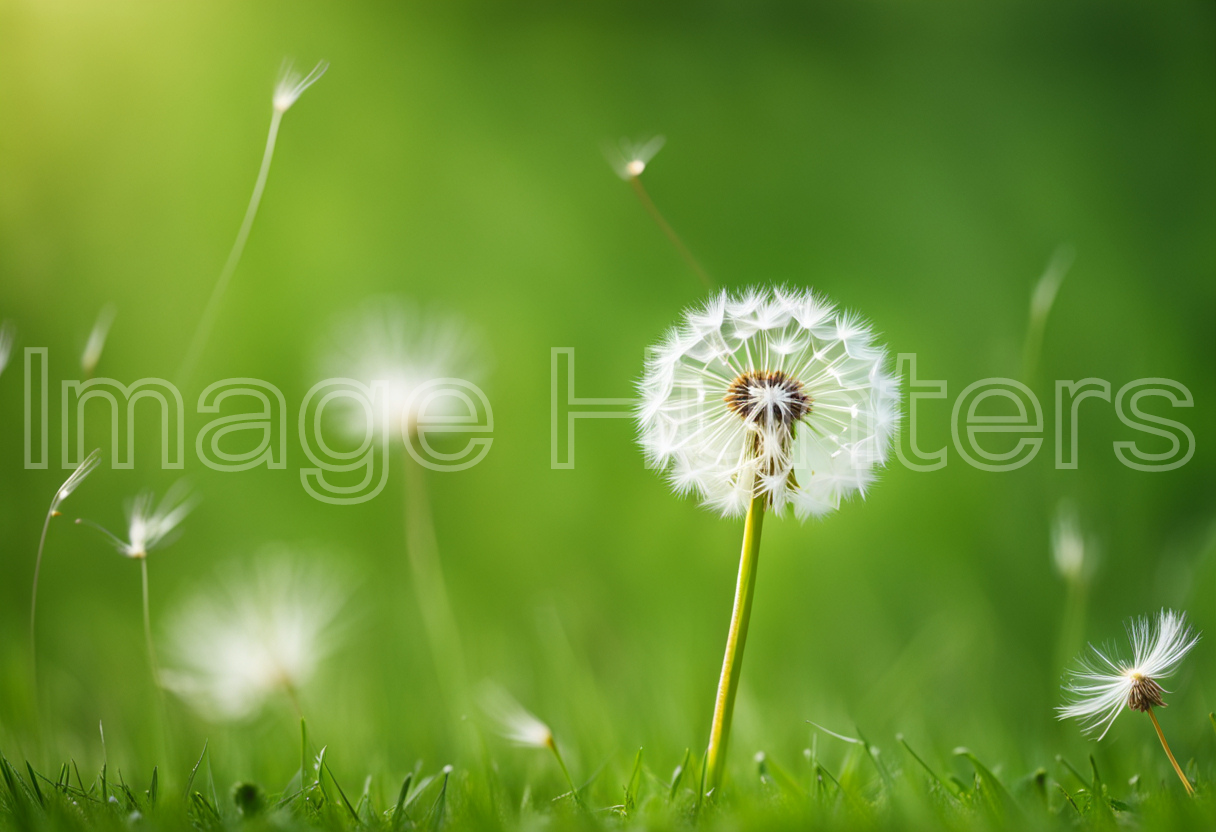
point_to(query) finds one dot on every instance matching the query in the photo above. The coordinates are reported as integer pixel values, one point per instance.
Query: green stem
(1177, 768)
(143, 568)
(732, 662)
(661, 221)
(34, 598)
(562, 763)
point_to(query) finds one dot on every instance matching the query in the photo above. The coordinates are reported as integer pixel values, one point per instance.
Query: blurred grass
(919, 166)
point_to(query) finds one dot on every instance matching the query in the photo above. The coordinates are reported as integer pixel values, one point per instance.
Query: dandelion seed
(148, 527)
(292, 84)
(629, 159)
(1041, 301)
(1068, 545)
(388, 341)
(97, 340)
(264, 632)
(517, 724)
(1101, 685)
(286, 92)
(760, 401)
(8, 334)
(73, 482)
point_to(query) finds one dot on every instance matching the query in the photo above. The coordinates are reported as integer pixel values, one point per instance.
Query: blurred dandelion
(7, 335)
(516, 724)
(1041, 301)
(760, 401)
(70, 484)
(402, 348)
(629, 160)
(264, 631)
(1075, 559)
(149, 526)
(1101, 685)
(291, 85)
(97, 340)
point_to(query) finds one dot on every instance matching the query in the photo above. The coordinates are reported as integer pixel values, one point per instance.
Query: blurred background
(920, 167)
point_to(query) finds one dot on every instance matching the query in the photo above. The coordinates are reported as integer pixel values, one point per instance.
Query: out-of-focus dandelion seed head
(629, 159)
(74, 480)
(292, 84)
(389, 342)
(1048, 285)
(151, 524)
(263, 632)
(8, 334)
(773, 393)
(513, 721)
(97, 339)
(1101, 685)
(1074, 556)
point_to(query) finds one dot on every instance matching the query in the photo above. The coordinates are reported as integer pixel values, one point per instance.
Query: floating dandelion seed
(1068, 545)
(389, 342)
(757, 402)
(7, 335)
(148, 527)
(1100, 686)
(515, 723)
(286, 92)
(70, 484)
(97, 339)
(263, 633)
(629, 160)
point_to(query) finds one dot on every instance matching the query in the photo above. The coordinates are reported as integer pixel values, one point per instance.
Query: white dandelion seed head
(8, 334)
(629, 159)
(151, 524)
(1101, 684)
(392, 344)
(1074, 557)
(76, 478)
(261, 633)
(291, 84)
(513, 721)
(770, 392)
(97, 339)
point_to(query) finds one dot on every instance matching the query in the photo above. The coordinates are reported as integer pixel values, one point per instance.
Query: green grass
(838, 782)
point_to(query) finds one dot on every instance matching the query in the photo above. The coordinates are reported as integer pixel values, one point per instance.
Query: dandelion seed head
(78, 476)
(1071, 554)
(1101, 685)
(769, 392)
(97, 339)
(150, 524)
(389, 342)
(262, 632)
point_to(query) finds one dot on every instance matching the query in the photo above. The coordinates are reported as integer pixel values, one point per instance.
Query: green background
(917, 166)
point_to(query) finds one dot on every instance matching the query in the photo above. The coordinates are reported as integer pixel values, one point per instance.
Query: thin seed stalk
(1177, 768)
(34, 596)
(143, 568)
(732, 662)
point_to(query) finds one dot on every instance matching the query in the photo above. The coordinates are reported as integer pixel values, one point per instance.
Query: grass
(864, 786)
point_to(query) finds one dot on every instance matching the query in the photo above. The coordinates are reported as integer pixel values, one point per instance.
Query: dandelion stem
(732, 662)
(34, 596)
(210, 312)
(430, 588)
(562, 764)
(1161, 736)
(143, 568)
(653, 210)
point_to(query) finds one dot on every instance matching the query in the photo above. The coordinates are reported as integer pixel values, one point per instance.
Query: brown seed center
(1145, 694)
(770, 397)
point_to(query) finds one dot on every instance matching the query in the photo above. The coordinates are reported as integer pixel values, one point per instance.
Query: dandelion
(1041, 301)
(97, 340)
(757, 402)
(70, 484)
(149, 526)
(629, 160)
(1074, 558)
(287, 91)
(1101, 685)
(401, 349)
(516, 724)
(263, 632)
(7, 334)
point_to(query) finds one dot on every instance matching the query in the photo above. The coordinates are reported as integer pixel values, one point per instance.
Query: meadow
(290, 638)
